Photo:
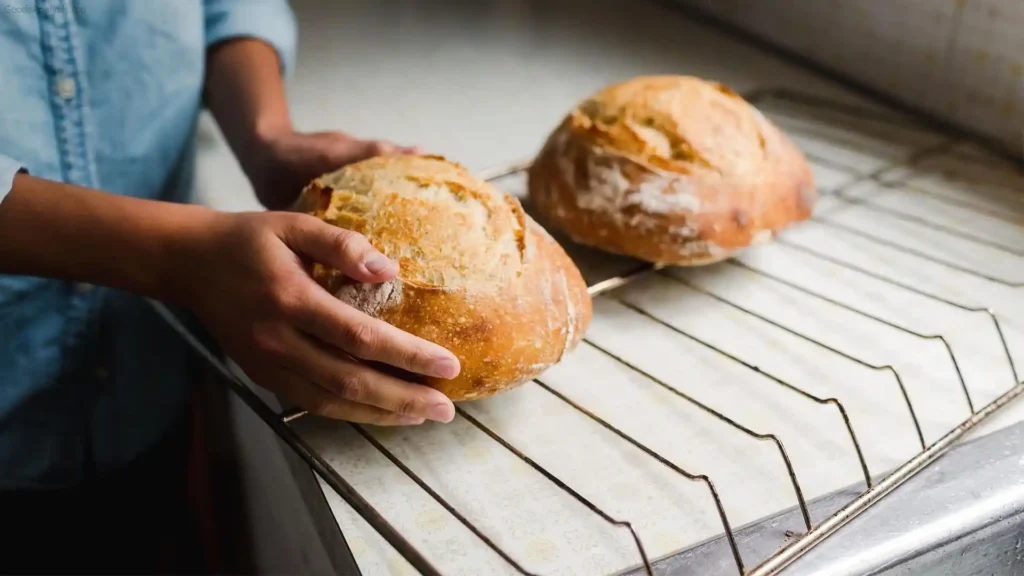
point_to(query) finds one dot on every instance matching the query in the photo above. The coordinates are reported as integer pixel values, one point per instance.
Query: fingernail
(441, 412)
(378, 264)
(445, 367)
(410, 421)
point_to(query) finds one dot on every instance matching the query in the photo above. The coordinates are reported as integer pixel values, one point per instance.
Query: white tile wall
(960, 59)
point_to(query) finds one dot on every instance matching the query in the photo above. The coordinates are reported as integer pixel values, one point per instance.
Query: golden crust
(670, 169)
(477, 275)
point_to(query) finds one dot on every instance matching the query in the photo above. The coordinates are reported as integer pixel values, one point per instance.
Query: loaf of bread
(477, 274)
(670, 169)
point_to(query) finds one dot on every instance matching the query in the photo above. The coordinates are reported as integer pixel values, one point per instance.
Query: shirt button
(66, 88)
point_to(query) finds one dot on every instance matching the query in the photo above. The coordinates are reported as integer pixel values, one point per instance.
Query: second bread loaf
(670, 169)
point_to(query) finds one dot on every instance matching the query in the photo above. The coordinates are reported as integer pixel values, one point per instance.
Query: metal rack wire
(813, 533)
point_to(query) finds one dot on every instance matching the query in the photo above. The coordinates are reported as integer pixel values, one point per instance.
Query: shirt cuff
(8, 169)
(271, 21)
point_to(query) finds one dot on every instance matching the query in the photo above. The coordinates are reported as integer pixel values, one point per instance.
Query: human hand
(296, 339)
(287, 160)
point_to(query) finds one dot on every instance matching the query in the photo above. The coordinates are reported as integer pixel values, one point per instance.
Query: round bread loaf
(477, 275)
(670, 169)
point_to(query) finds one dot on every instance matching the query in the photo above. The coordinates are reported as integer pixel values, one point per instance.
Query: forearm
(245, 93)
(56, 230)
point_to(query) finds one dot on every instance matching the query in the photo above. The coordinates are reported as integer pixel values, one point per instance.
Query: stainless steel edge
(871, 496)
(962, 515)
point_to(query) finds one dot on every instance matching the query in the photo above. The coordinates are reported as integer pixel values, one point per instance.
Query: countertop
(483, 82)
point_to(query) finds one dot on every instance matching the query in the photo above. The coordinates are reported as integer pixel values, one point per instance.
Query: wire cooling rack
(843, 181)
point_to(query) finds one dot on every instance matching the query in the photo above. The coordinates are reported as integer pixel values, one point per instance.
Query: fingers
(358, 383)
(339, 149)
(385, 148)
(316, 400)
(323, 316)
(380, 148)
(373, 340)
(346, 251)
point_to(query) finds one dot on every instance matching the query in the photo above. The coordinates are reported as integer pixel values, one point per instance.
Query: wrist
(267, 127)
(188, 243)
(270, 127)
(277, 169)
(263, 160)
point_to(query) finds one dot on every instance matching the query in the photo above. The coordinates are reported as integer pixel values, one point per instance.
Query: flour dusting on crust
(761, 237)
(570, 318)
(549, 301)
(651, 196)
(371, 299)
(609, 191)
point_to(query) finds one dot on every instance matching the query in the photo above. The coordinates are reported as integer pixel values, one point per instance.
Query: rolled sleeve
(9, 167)
(271, 21)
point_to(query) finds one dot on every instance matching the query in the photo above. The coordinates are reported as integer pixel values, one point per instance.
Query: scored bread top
(676, 123)
(442, 226)
(672, 169)
(476, 274)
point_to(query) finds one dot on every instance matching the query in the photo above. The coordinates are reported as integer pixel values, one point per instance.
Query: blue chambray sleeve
(271, 21)
(8, 168)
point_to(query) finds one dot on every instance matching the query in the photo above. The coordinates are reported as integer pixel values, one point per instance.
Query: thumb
(347, 251)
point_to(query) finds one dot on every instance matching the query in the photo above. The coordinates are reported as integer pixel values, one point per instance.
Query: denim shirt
(104, 94)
